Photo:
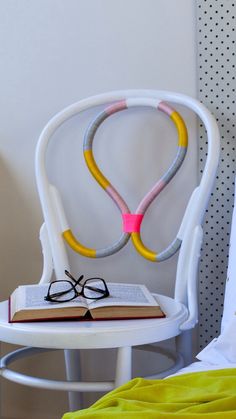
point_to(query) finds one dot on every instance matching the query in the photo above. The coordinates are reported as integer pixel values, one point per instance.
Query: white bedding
(230, 288)
(220, 353)
(222, 349)
(204, 366)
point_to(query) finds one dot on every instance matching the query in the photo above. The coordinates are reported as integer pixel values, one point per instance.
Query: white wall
(54, 53)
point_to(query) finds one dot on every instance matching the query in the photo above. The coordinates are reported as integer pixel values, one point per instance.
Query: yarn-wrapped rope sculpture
(131, 221)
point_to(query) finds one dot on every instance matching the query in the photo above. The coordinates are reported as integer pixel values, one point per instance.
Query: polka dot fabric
(216, 89)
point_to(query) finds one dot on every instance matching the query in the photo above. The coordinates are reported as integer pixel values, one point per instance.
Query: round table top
(95, 334)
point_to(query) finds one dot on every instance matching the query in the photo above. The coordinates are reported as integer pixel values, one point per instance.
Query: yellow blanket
(190, 396)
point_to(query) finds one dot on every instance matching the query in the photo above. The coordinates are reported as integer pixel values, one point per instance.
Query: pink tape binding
(132, 222)
(116, 107)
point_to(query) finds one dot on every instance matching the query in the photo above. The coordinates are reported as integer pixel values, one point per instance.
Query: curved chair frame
(182, 310)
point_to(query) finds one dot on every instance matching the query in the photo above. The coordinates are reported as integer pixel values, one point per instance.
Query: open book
(126, 301)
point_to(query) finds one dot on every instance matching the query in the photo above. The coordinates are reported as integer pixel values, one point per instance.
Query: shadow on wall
(21, 263)
(21, 260)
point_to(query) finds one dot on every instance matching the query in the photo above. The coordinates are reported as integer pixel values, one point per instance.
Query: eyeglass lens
(62, 291)
(94, 289)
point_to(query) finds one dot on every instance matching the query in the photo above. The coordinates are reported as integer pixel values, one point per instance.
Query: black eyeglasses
(62, 291)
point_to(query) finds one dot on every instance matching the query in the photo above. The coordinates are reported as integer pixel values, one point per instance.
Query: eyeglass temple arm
(76, 281)
(96, 289)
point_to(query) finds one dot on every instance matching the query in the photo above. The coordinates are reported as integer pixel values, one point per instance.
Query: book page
(32, 296)
(125, 295)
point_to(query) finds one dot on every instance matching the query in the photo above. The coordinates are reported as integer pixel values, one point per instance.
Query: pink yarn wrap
(132, 222)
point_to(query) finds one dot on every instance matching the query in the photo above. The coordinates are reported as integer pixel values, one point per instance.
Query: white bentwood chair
(181, 311)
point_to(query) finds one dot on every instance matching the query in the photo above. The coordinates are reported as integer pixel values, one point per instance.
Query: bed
(207, 387)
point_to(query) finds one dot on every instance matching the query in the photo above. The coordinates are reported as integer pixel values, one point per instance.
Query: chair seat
(95, 334)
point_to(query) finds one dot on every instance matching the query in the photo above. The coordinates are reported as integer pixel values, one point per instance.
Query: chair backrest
(56, 234)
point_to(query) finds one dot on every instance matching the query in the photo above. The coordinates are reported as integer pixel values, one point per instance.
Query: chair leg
(72, 364)
(123, 365)
(185, 347)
